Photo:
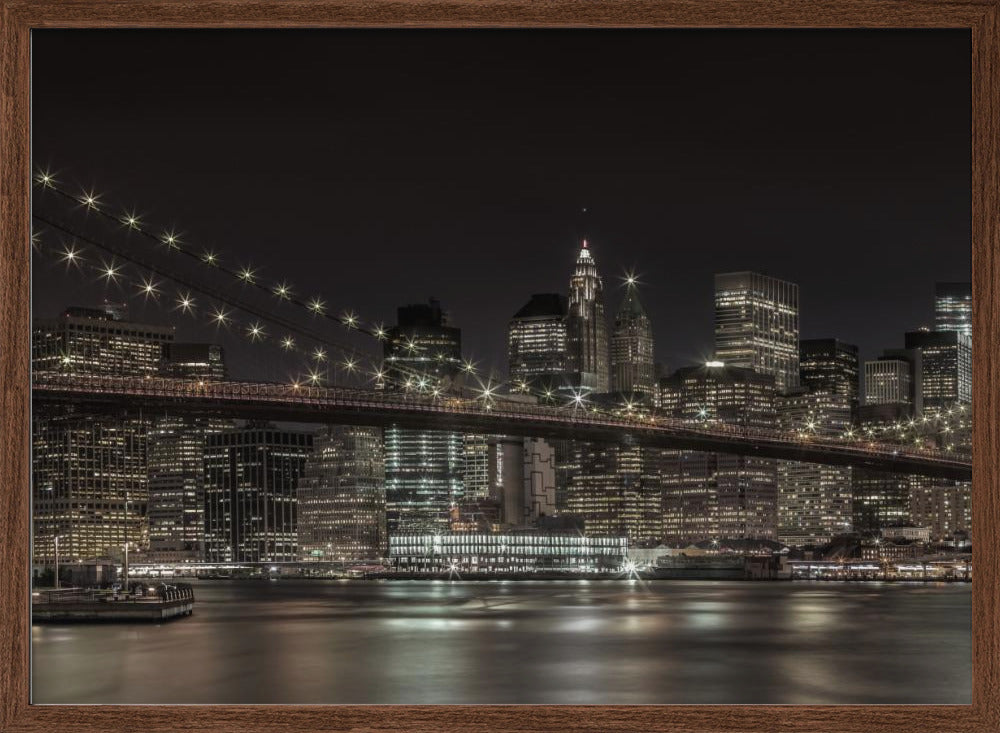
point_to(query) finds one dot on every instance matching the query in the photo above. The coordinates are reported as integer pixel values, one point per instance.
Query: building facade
(814, 500)
(537, 340)
(176, 460)
(341, 497)
(423, 468)
(632, 364)
(953, 307)
(89, 471)
(586, 325)
(757, 325)
(251, 483)
(505, 553)
(709, 496)
(945, 367)
(830, 366)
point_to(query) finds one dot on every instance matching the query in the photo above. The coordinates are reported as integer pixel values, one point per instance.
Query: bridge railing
(356, 398)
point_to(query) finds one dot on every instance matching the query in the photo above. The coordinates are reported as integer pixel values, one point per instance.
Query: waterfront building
(953, 307)
(586, 325)
(537, 340)
(814, 500)
(176, 460)
(757, 325)
(251, 480)
(710, 496)
(423, 468)
(945, 367)
(341, 496)
(632, 369)
(880, 498)
(89, 471)
(830, 366)
(454, 553)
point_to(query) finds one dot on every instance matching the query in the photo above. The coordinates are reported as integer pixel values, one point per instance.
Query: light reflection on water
(532, 642)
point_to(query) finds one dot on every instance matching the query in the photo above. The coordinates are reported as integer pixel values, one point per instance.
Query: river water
(601, 642)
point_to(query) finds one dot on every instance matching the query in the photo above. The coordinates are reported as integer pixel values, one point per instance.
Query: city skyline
(846, 209)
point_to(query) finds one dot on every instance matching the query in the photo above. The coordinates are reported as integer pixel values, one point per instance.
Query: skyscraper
(586, 325)
(251, 480)
(757, 325)
(830, 366)
(889, 381)
(945, 367)
(632, 367)
(89, 472)
(814, 500)
(423, 468)
(953, 308)
(176, 460)
(536, 339)
(718, 495)
(341, 496)
(617, 491)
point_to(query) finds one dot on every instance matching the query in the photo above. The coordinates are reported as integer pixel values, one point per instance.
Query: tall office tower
(617, 491)
(814, 500)
(632, 348)
(757, 325)
(536, 340)
(945, 367)
(889, 381)
(251, 479)
(953, 307)
(718, 495)
(943, 506)
(880, 498)
(423, 468)
(830, 366)
(476, 466)
(586, 327)
(176, 460)
(89, 470)
(341, 496)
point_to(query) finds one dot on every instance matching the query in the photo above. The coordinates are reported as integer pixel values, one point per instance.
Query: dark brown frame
(18, 17)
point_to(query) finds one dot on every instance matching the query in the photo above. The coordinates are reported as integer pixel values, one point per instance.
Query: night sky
(378, 168)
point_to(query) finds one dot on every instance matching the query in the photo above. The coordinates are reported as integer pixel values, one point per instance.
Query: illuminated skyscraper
(757, 325)
(423, 468)
(889, 381)
(536, 339)
(617, 491)
(814, 500)
(945, 367)
(176, 460)
(89, 472)
(953, 307)
(830, 366)
(341, 496)
(718, 495)
(632, 367)
(587, 329)
(251, 479)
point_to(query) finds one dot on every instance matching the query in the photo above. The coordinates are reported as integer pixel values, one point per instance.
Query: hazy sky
(378, 168)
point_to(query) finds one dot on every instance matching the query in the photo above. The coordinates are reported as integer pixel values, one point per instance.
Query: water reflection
(537, 642)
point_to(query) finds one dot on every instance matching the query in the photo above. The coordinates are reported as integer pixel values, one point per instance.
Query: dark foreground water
(516, 642)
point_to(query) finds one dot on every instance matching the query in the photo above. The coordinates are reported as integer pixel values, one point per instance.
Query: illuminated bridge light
(247, 275)
(282, 290)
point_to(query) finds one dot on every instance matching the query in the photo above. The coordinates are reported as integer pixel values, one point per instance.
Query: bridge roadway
(346, 406)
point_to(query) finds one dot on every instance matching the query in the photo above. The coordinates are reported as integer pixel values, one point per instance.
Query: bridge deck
(338, 405)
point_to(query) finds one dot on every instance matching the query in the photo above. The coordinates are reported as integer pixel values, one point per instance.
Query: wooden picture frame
(19, 17)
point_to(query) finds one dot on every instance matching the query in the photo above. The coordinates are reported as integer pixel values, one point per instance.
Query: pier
(145, 603)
